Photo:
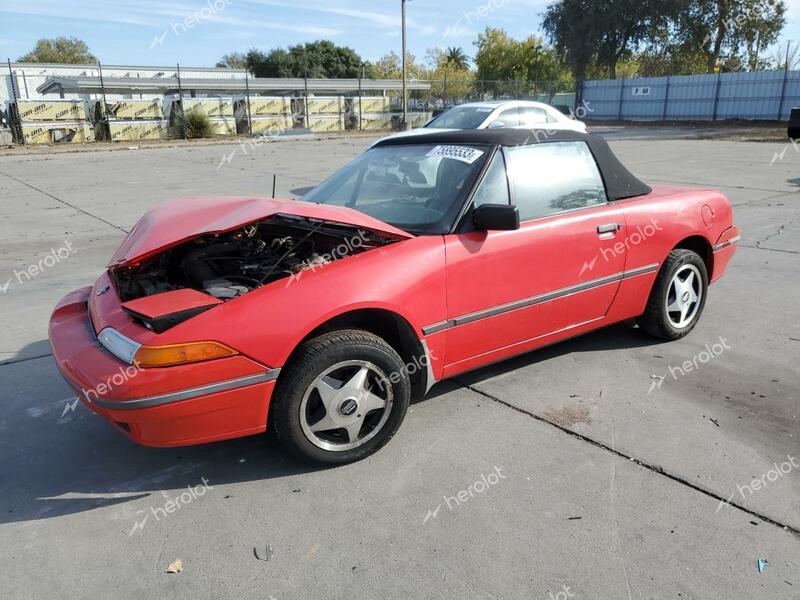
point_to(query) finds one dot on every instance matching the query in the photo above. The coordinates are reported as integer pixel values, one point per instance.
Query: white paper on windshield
(486, 110)
(462, 153)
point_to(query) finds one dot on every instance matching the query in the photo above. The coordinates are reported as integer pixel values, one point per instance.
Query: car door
(559, 270)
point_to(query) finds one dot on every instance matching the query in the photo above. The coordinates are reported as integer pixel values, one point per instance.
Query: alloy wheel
(346, 405)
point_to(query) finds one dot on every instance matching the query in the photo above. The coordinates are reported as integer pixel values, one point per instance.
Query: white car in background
(512, 114)
(499, 114)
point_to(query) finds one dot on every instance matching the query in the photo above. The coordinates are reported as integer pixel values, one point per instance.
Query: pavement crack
(657, 469)
(769, 249)
(64, 202)
(777, 233)
(752, 202)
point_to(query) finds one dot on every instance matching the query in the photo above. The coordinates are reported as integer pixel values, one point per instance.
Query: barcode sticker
(462, 153)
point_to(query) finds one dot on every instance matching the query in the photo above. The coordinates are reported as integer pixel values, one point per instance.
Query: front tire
(678, 296)
(342, 399)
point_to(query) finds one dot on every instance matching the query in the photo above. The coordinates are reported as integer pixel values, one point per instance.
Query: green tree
(455, 58)
(62, 50)
(450, 76)
(234, 60)
(389, 66)
(671, 59)
(315, 59)
(587, 32)
(730, 33)
(501, 58)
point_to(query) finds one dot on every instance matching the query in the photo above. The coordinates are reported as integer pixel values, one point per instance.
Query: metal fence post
(621, 98)
(105, 103)
(666, 101)
(716, 96)
(15, 121)
(783, 91)
(180, 88)
(247, 91)
(360, 97)
(180, 100)
(305, 99)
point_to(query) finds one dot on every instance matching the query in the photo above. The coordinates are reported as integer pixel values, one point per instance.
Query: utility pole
(404, 123)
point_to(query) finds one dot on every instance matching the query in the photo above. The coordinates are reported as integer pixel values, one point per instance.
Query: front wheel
(342, 399)
(678, 296)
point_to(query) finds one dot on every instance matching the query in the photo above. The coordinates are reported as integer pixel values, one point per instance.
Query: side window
(494, 187)
(509, 118)
(550, 178)
(532, 117)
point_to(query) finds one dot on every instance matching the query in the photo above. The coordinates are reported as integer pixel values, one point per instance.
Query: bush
(194, 125)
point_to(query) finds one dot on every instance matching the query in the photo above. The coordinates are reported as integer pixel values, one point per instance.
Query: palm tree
(455, 57)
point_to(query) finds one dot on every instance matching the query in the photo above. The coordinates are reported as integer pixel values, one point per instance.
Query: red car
(423, 258)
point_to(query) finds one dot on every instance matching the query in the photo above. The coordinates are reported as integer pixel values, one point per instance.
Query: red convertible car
(423, 258)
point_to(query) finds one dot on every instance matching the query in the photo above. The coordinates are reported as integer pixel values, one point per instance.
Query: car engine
(231, 264)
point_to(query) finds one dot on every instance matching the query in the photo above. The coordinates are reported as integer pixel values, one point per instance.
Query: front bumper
(165, 407)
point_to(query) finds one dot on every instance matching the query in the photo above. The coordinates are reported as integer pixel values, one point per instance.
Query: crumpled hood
(177, 221)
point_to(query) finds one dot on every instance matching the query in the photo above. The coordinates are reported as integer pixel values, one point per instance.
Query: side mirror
(496, 125)
(497, 217)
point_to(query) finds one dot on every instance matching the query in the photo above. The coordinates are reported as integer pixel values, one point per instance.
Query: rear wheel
(678, 296)
(342, 399)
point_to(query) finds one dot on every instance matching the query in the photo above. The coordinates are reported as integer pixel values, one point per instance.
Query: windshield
(461, 117)
(419, 188)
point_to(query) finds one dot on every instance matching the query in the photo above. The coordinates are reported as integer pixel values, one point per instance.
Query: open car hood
(180, 220)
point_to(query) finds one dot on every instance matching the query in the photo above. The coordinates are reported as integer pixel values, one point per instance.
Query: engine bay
(231, 264)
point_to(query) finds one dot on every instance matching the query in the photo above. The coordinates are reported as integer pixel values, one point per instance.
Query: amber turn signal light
(180, 354)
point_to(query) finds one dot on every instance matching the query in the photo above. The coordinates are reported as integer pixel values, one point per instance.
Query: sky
(199, 32)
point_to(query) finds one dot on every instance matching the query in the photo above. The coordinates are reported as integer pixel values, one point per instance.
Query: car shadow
(35, 350)
(615, 337)
(59, 458)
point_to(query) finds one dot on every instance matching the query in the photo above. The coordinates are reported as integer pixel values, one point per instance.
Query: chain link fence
(103, 107)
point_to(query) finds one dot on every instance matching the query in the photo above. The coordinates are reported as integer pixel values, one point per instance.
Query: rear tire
(342, 399)
(678, 296)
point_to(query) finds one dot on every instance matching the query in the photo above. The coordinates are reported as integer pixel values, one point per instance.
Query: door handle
(610, 228)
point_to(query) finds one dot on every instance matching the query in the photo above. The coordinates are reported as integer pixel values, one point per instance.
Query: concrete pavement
(605, 485)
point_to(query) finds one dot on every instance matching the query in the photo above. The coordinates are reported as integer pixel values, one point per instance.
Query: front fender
(267, 324)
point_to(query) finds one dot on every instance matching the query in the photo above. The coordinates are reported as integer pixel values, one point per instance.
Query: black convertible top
(620, 183)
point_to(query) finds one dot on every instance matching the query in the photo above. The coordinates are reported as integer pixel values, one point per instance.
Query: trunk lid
(180, 220)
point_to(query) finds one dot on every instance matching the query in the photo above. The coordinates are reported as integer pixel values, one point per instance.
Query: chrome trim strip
(730, 242)
(212, 388)
(437, 327)
(534, 300)
(645, 270)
